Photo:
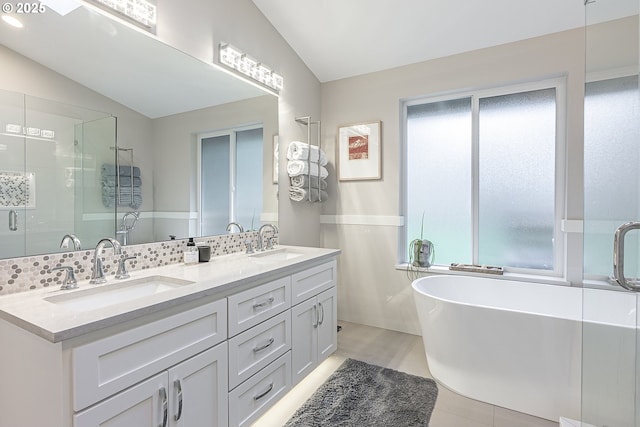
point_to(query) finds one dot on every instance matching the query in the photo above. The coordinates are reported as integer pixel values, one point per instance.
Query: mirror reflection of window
(230, 179)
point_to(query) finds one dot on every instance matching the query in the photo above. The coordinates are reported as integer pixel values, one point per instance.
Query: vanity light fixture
(140, 11)
(236, 59)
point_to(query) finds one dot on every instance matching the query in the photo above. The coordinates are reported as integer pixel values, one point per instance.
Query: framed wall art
(359, 151)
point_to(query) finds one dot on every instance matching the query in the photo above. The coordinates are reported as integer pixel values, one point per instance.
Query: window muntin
(483, 168)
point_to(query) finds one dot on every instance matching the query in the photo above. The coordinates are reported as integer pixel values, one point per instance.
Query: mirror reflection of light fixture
(139, 11)
(30, 132)
(236, 59)
(12, 20)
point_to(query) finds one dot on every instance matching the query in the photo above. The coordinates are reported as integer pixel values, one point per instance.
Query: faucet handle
(69, 281)
(122, 268)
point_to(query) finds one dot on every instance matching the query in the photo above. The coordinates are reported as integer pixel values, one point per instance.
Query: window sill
(441, 269)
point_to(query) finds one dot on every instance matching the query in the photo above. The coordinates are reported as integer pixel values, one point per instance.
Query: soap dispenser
(191, 252)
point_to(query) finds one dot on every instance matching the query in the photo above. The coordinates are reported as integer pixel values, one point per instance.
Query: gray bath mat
(360, 394)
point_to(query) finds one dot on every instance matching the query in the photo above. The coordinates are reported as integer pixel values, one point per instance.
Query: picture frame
(359, 149)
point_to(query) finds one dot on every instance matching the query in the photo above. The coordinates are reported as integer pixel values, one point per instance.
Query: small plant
(421, 254)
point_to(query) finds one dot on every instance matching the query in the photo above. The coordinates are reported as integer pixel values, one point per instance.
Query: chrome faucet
(231, 224)
(269, 245)
(73, 239)
(97, 276)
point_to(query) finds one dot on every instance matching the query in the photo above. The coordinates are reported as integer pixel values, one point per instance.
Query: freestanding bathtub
(512, 344)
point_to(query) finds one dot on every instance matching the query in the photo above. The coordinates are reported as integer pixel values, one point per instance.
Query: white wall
(371, 290)
(197, 27)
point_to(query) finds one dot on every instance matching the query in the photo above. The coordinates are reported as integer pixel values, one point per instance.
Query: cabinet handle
(322, 313)
(263, 304)
(178, 386)
(264, 393)
(165, 406)
(262, 347)
(315, 314)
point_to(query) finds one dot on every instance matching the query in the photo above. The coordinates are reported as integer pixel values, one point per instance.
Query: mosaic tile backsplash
(34, 272)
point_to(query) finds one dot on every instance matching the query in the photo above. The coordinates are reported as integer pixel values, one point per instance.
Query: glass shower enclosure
(610, 382)
(50, 159)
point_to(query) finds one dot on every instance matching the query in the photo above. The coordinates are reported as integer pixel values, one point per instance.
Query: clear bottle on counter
(190, 255)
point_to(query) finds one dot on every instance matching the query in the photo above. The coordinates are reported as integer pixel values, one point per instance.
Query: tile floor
(402, 352)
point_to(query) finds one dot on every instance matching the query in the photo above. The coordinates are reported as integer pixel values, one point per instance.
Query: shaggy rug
(360, 394)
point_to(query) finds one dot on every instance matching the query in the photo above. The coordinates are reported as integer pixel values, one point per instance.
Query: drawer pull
(264, 304)
(262, 347)
(178, 386)
(263, 394)
(165, 406)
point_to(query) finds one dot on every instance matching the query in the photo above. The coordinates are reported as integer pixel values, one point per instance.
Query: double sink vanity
(211, 344)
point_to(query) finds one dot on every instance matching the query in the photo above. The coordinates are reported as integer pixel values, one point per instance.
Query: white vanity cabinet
(314, 318)
(178, 378)
(190, 394)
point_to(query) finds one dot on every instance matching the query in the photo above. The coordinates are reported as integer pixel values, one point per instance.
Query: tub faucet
(269, 245)
(74, 241)
(97, 276)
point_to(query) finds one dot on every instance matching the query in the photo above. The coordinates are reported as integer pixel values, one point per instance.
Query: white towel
(303, 181)
(300, 151)
(300, 167)
(298, 194)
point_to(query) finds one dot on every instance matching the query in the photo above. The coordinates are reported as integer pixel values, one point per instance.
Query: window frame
(231, 133)
(560, 85)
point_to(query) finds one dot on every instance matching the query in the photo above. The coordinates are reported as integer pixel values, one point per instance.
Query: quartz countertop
(223, 276)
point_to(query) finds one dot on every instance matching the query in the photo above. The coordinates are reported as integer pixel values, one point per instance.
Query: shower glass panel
(49, 168)
(249, 177)
(215, 177)
(14, 183)
(611, 198)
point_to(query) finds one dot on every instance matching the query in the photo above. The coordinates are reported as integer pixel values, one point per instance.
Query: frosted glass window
(439, 177)
(214, 197)
(517, 179)
(482, 170)
(611, 159)
(249, 158)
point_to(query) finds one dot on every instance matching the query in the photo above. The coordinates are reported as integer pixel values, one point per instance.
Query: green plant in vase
(421, 253)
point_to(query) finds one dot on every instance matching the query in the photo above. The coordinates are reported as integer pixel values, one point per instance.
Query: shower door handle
(13, 220)
(618, 255)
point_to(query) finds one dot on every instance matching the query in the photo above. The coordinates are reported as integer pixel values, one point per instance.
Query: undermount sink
(282, 254)
(106, 295)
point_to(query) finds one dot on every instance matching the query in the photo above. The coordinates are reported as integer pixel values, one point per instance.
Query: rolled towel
(300, 151)
(298, 194)
(125, 181)
(300, 167)
(302, 181)
(110, 169)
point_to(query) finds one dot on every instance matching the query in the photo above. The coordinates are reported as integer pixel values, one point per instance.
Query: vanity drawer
(313, 281)
(253, 397)
(254, 349)
(255, 305)
(108, 365)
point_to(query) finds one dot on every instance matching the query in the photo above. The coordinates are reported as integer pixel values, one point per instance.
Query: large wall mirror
(81, 93)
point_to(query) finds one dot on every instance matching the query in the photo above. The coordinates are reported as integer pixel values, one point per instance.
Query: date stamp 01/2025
(23, 8)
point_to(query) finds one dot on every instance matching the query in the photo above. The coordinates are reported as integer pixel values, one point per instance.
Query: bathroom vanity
(212, 344)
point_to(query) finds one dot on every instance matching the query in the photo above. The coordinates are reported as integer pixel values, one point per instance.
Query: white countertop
(222, 276)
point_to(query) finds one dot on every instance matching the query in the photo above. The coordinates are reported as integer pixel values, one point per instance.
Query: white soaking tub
(508, 343)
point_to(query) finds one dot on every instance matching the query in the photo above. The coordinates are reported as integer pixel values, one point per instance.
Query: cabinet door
(144, 405)
(304, 338)
(327, 324)
(198, 390)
